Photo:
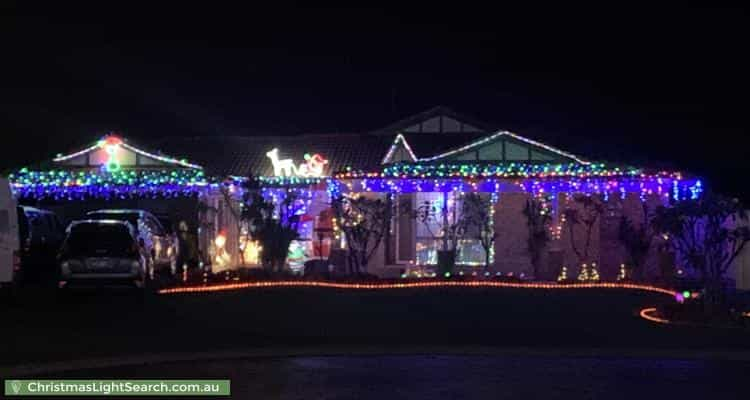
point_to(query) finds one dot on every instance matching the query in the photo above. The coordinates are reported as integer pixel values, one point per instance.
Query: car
(151, 234)
(102, 253)
(40, 234)
(10, 247)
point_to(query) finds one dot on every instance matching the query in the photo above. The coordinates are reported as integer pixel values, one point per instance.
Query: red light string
(411, 285)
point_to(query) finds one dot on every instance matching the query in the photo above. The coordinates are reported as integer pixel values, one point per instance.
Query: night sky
(663, 87)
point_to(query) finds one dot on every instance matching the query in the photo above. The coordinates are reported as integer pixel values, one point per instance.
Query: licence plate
(99, 264)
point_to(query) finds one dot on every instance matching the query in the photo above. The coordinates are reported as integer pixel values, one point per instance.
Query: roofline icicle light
(80, 185)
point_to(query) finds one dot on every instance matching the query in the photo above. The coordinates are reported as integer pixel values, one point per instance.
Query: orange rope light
(646, 314)
(412, 285)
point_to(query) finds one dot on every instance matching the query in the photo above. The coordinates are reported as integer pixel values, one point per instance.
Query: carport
(114, 173)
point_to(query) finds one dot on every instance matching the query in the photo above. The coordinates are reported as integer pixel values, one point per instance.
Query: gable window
(470, 156)
(516, 152)
(432, 125)
(539, 156)
(491, 152)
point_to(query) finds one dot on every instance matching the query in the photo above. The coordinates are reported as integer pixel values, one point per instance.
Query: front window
(469, 251)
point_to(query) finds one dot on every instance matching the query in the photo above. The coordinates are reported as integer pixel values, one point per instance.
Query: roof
(243, 155)
(437, 130)
(434, 135)
(403, 124)
(113, 147)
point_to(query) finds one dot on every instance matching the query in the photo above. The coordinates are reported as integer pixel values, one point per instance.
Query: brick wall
(511, 250)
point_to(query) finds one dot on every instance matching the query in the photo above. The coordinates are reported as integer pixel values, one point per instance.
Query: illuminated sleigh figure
(313, 165)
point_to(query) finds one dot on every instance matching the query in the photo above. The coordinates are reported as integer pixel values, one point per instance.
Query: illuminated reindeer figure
(283, 167)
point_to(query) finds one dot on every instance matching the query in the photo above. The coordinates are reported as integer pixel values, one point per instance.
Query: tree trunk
(714, 297)
(355, 263)
(350, 261)
(637, 273)
(446, 261)
(486, 259)
(363, 262)
(445, 221)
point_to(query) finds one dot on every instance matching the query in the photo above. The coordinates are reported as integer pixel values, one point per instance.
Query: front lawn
(41, 325)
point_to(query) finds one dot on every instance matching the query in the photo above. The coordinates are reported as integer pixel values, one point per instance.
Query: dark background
(659, 86)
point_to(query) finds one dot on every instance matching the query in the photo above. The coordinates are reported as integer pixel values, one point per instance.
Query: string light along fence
(411, 285)
(648, 314)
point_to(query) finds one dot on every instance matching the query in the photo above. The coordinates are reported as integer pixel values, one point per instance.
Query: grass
(42, 325)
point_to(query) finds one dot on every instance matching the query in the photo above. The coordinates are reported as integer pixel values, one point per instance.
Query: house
(434, 158)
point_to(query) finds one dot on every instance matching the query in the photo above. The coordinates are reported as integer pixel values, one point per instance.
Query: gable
(441, 124)
(506, 147)
(112, 153)
(437, 120)
(400, 151)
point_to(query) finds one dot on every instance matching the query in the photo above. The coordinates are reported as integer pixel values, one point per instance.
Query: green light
(686, 294)
(113, 166)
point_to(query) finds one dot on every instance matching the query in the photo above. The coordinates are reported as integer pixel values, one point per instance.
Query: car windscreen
(124, 216)
(99, 240)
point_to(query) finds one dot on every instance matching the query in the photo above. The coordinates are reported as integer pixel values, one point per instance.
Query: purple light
(664, 187)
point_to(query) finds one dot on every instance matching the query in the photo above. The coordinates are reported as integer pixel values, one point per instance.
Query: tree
(235, 209)
(637, 239)
(274, 226)
(586, 213)
(707, 233)
(476, 217)
(364, 222)
(537, 219)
